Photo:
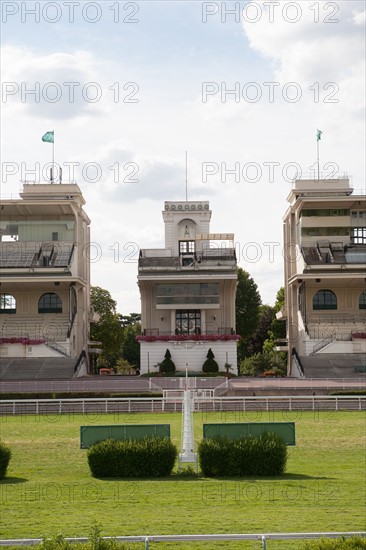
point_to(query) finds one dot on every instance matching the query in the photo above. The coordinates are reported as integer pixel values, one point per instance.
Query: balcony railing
(158, 332)
(154, 335)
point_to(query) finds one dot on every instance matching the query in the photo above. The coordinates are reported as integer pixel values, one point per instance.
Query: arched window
(362, 300)
(49, 303)
(325, 299)
(8, 304)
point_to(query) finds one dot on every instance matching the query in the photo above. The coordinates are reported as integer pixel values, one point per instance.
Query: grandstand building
(188, 291)
(45, 281)
(325, 274)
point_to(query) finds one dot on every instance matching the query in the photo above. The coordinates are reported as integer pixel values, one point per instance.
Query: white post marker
(187, 444)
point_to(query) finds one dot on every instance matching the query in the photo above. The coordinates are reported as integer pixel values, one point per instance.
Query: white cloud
(359, 17)
(54, 86)
(324, 46)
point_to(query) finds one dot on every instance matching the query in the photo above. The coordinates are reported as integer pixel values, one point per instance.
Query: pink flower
(22, 340)
(185, 337)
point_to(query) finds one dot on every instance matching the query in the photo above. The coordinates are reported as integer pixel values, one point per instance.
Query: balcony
(206, 259)
(336, 253)
(156, 335)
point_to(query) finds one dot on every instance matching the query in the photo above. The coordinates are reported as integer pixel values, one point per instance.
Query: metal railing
(133, 384)
(117, 406)
(147, 539)
(57, 347)
(320, 345)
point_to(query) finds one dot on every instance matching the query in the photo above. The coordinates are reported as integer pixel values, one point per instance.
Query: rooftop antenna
(186, 176)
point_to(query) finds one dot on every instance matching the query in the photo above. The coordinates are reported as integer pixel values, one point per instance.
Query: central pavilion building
(188, 291)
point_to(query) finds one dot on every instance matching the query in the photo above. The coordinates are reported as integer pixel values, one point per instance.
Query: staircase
(54, 368)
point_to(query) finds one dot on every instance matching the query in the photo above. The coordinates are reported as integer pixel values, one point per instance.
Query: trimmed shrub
(210, 365)
(167, 364)
(216, 457)
(342, 543)
(5, 455)
(148, 457)
(265, 455)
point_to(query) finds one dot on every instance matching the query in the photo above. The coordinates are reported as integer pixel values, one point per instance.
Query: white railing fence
(147, 539)
(130, 405)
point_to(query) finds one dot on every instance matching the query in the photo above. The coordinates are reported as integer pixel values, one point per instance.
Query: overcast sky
(128, 87)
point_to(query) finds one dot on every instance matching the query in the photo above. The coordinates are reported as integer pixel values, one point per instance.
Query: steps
(331, 365)
(54, 368)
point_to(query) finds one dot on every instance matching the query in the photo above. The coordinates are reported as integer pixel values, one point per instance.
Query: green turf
(49, 488)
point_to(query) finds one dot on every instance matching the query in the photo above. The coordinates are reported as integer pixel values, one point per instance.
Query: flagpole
(317, 148)
(186, 176)
(53, 157)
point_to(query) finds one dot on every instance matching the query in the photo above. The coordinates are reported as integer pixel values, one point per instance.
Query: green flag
(318, 135)
(48, 137)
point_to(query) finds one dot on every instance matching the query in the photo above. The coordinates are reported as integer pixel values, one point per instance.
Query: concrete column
(203, 321)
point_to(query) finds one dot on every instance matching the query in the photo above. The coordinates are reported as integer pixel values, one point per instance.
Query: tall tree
(102, 301)
(256, 340)
(247, 304)
(108, 329)
(131, 348)
(278, 328)
(130, 319)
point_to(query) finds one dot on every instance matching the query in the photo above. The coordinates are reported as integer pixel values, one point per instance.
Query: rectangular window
(358, 235)
(324, 231)
(325, 212)
(360, 214)
(188, 321)
(186, 247)
(189, 293)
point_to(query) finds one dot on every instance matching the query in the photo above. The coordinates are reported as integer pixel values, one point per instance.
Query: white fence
(131, 405)
(147, 539)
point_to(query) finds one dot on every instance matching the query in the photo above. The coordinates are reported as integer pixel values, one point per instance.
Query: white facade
(325, 268)
(188, 291)
(45, 272)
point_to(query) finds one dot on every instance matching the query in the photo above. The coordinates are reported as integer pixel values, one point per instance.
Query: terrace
(206, 259)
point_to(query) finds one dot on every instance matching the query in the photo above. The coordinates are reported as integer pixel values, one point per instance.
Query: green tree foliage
(108, 329)
(122, 366)
(130, 349)
(270, 363)
(277, 329)
(102, 301)
(131, 319)
(247, 304)
(254, 343)
(247, 308)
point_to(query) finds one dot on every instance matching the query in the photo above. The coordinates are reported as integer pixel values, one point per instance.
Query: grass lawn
(49, 488)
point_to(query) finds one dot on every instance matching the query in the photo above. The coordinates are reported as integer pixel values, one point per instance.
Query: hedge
(148, 457)
(5, 455)
(342, 543)
(265, 455)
